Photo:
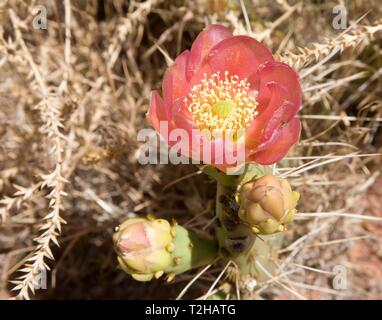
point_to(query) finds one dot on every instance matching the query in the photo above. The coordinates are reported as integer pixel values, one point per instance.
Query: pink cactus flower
(228, 83)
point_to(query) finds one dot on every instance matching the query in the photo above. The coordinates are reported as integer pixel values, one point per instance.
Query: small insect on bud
(142, 247)
(267, 204)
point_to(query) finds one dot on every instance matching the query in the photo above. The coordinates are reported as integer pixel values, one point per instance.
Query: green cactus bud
(149, 247)
(142, 247)
(267, 204)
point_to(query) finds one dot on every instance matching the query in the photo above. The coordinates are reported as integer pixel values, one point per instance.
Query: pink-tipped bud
(267, 204)
(143, 246)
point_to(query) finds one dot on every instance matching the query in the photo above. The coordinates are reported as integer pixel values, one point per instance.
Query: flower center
(220, 105)
(224, 108)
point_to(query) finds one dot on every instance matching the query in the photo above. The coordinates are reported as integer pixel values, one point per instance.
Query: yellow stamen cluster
(221, 105)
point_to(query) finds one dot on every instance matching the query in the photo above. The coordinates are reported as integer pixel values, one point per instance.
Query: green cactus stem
(237, 240)
(191, 251)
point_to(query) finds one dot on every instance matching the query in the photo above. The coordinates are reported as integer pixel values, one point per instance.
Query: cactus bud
(149, 247)
(142, 247)
(267, 204)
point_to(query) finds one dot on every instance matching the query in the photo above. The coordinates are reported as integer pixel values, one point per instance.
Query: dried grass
(73, 97)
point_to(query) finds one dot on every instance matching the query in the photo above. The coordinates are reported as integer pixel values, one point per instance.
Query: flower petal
(157, 111)
(283, 139)
(239, 55)
(277, 111)
(283, 75)
(203, 43)
(175, 84)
